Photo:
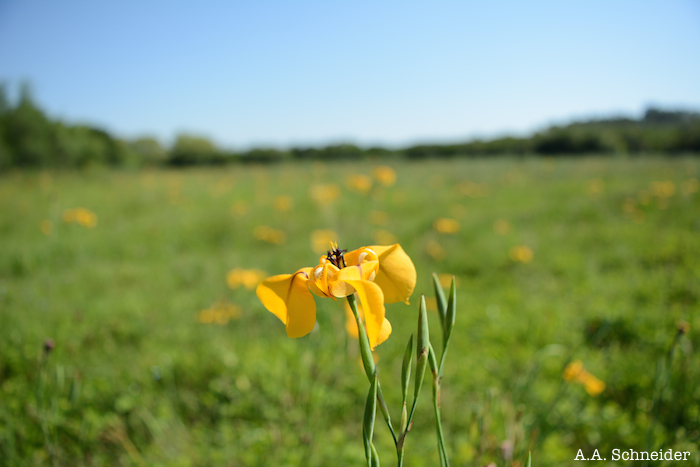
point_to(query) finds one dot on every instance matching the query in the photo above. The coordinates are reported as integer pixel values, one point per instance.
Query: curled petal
(396, 275)
(287, 297)
(324, 282)
(372, 301)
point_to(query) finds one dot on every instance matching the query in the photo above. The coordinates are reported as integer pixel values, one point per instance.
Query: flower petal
(396, 275)
(372, 301)
(351, 325)
(287, 297)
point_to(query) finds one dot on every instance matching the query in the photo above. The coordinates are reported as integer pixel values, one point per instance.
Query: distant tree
(194, 150)
(148, 150)
(29, 133)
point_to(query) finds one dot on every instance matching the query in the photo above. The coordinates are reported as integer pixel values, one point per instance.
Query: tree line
(29, 138)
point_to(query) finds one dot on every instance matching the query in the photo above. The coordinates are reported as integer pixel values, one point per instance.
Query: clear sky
(264, 73)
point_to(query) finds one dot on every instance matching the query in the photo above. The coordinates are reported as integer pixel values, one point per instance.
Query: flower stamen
(335, 256)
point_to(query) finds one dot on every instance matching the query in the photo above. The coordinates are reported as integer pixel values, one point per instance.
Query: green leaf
(365, 349)
(433, 361)
(451, 311)
(529, 459)
(370, 411)
(406, 368)
(441, 302)
(375, 456)
(422, 348)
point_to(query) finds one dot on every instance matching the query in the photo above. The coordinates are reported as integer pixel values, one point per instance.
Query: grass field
(158, 361)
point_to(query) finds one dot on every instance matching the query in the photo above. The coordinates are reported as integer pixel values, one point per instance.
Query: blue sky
(289, 73)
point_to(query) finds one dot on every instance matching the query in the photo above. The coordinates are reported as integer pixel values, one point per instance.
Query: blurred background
(158, 160)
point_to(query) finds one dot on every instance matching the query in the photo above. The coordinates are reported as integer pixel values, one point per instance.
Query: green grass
(135, 379)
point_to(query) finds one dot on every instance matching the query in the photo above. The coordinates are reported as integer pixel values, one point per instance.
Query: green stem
(438, 421)
(368, 362)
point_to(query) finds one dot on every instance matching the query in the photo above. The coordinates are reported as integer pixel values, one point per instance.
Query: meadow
(162, 355)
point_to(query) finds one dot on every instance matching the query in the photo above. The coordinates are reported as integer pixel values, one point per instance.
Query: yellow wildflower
(435, 250)
(690, 186)
(575, 372)
(379, 218)
(219, 313)
(46, 227)
(82, 216)
(595, 187)
(320, 240)
(248, 278)
(359, 183)
(269, 235)
(284, 203)
(521, 253)
(663, 189)
(240, 209)
(383, 236)
(446, 226)
(502, 227)
(324, 194)
(377, 274)
(384, 175)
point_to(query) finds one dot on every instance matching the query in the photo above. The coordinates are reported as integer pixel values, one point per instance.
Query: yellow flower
(384, 175)
(502, 227)
(377, 274)
(46, 227)
(248, 278)
(284, 203)
(383, 236)
(269, 235)
(575, 372)
(321, 238)
(324, 195)
(446, 226)
(82, 216)
(219, 313)
(360, 183)
(435, 250)
(521, 254)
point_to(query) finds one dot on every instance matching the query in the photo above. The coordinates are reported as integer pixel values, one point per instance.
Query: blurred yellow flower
(595, 187)
(436, 182)
(283, 203)
(431, 303)
(663, 189)
(320, 240)
(630, 205)
(82, 216)
(502, 227)
(377, 274)
(379, 217)
(521, 253)
(690, 186)
(575, 372)
(384, 175)
(359, 183)
(221, 187)
(384, 237)
(644, 197)
(446, 280)
(474, 190)
(435, 250)
(446, 226)
(269, 235)
(46, 227)
(220, 313)
(248, 278)
(324, 194)
(240, 209)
